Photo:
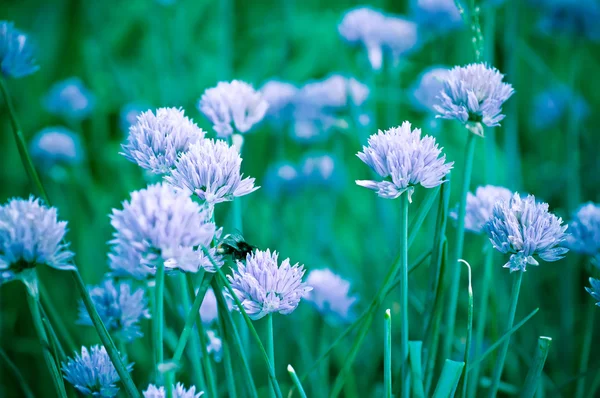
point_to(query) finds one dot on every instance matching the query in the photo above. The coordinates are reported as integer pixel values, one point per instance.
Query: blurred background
(102, 62)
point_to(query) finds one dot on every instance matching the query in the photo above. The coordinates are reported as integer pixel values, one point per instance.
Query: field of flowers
(277, 198)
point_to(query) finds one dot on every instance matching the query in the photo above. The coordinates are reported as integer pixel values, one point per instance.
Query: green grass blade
(387, 354)
(27, 393)
(158, 321)
(535, 370)
(448, 381)
(585, 349)
(404, 318)
(416, 367)
(464, 381)
(296, 381)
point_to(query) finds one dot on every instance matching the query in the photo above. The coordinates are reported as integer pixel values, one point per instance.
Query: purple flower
(594, 291)
(481, 206)
(436, 15)
(70, 99)
(56, 145)
(16, 53)
(524, 229)
(585, 230)
(179, 391)
(429, 85)
(330, 294)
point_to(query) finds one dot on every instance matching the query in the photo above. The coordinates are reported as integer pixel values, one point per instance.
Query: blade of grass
(296, 381)
(27, 393)
(535, 370)
(403, 271)
(227, 364)
(464, 381)
(158, 321)
(416, 352)
(387, 354)
(448, 381)
(585, 349)
(270, 347)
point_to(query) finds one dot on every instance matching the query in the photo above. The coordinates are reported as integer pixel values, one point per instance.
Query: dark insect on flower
(235, 246)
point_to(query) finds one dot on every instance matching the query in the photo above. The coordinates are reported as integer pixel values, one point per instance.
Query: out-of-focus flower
(129, 114)
(584, 230)
(70, 99)
(474, 94)
(56, 145)
(399, 36)
(209, 308)
(438, 16)
(234, 102)
(157, 139)
(427, 88)
(574, 18)
(210, 169)
(16, 54)
(281, 179)
(594, 290)
(162, 223)
(526, 229)
(120, 309)
(280, 96)
(403, 159)
(330, 294)
(320, 169)
(550, 106)
(331, 93)
(481, 206)
(179, 391)
(215, 345)
(264, 287)
(92, 372)
(30, 235)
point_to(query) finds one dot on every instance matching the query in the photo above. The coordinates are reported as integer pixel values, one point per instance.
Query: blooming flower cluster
(129, 114)
(474, 94)
(526, 229)
(158, 138)
(214, 346)
(481, 206)
(378, 32)
(70, 99)
(179, 391)
(584, 230)
(403, 159)
(56, 145)
(120, 309)
(594, 290)
(160, 223)
(428, 87)
(92, 372)
(16, 54)
(232, 105)
(211, 170)
(280, 96)
(209, 308)
(264, 287)
(30, 235)
(330, 294)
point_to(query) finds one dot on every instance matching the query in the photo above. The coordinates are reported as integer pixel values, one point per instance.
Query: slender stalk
(404, 295)
(535, 370)
(27, 393)
(296, 381)
(416, 351)
(595, 385)
(170, 379)
(458, 249)
(270, 347)
(158, 320)
(59, 353)
(229, 375)
(514, 298)
(585, 350)
(464, 382)
(55, 319)
(482, 315)
(448, 379)
(324, 371)
(59, 385)
(387, 354)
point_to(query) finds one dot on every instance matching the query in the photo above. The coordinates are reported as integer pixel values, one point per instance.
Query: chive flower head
(584, 230)
(56, 145)
(16, 53)
(179, 391)
(481, 206)
(330, 294)
(594, 290)
(70, 99)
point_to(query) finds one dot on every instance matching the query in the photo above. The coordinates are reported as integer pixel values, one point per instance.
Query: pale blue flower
(550, 106)
(265, 287)
(162, 223)
(92, 372)
(56, 145)
(584, 230)
(427, 88)
(320, 169)
(179, 391)
(400, 36)
(210, 169)
(481, 206)
(214, 345)
(280, 96)
(594, 290)
(120, 308)
(475, 94)
(524, 229)
(332, 93)
(403, 159)
(158, 138)
(232, 105)
(438, 16)
(31, 235)
(70, 99)
(129, 114)
(573, 18)
(209, 308)
(330, 294)
(16, 54)
(281, 178)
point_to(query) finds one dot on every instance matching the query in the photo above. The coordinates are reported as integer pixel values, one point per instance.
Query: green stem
(56, 320)
(482, 315)
(464, 386)
(296, 381)
(270, 347)
(158, 320)
(595, 385)
(404, 295)
(448, 379)
(416, 351)
(22, 144)
(535, 370)
(585, 350)
(107, 341)
(514, 298)
(41, 332)
(455, 268)
(229, 375)
(17, 374)
(387, 354)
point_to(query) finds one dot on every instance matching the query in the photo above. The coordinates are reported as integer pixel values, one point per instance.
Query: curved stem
(404, 295)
